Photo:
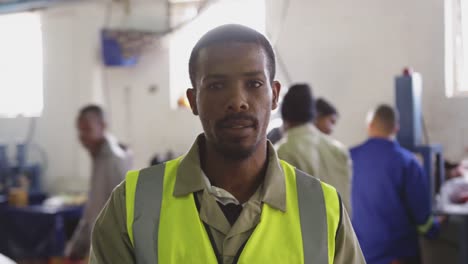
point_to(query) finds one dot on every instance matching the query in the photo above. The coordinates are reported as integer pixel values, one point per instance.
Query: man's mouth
(240, 125)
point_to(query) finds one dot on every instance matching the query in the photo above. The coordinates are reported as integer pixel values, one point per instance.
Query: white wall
(69, 72)
(144, 119)
(74, 76)
(350, 52)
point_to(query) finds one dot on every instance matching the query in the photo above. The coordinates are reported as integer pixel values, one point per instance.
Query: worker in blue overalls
(390, 195)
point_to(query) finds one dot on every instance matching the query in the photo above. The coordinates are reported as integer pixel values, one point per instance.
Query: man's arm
(347, 248)
(113, 170)
(418, 201)
(345, 169)
(78, 246)
(110, 242)
(116, 172)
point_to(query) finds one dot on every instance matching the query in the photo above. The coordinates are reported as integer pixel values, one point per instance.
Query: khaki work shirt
(317, 154)
(108, 170)
(111, 244)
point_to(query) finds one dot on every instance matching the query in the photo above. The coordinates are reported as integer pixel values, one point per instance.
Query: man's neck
(386, 136)
(290, 125)
(95, 150)
(241, 178)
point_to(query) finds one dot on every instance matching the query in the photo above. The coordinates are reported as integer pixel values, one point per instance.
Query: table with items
(36, 231)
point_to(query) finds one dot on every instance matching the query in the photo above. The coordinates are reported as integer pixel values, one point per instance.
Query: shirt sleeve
(78, 246)
(346, 170)
(417, 199)
(110, 242)
(347, 248)
(116, 174)
(113, 170)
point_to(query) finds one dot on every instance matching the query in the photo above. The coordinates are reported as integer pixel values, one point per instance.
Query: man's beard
(235, 152)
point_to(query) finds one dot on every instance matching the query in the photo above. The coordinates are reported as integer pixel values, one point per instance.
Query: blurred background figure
(327, 116)
(453, 169)
(390, 195)
(305, 147)
(110, 162)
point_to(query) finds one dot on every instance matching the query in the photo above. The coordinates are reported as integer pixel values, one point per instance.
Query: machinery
(408, 95)
(19, 173)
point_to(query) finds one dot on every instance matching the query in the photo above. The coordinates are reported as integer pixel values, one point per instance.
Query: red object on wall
(407, 71)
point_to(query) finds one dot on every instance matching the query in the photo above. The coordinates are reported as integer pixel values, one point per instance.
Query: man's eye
(254, 84)
(215, 86)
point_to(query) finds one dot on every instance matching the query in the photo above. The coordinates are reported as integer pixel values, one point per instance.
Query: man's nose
(238, 99)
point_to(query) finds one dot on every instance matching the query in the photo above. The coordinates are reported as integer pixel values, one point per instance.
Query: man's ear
(370, 127)
(396, 129)
(276, 88)
(192, 97)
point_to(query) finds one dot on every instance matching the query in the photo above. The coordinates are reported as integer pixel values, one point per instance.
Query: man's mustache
(232, 118)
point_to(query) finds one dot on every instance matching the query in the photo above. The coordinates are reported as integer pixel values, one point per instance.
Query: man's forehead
(248, 57)
(89, 117)
(233, 46)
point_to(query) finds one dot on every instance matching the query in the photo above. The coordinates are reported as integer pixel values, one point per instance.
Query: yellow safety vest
(305, 233)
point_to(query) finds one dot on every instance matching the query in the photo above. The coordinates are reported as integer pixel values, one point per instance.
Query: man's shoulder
(119, 191)
(408, 158)
(334, 145)
(284, 146)
(359, 150)
(153, 169)
(306, 177)
(113, 149)
(136, 174)
(356, 148)
(404, 153)
(114, 156)
(308, 181)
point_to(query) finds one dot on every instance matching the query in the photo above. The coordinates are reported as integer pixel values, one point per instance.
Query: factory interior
(105, 105)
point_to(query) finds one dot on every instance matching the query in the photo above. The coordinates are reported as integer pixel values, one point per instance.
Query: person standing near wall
(110, 162)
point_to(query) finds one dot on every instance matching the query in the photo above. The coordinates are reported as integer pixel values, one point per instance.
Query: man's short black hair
(92, 109)
(324, 108)
(298, 104)
(228, 34)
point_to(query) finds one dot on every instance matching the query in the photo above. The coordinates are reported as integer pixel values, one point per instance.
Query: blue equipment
(10, 173)
(408, 94)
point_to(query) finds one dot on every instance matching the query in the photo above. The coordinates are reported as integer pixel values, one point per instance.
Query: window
(250, 13)
(456, 47)
(21, 80)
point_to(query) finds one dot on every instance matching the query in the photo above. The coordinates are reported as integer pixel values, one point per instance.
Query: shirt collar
(109, 147)
(190, 179)
(379, 140)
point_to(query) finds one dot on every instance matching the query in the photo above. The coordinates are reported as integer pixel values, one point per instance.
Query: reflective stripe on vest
(143, 195)
(305, 234)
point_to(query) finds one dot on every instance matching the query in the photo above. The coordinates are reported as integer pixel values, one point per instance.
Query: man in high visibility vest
(229, 199)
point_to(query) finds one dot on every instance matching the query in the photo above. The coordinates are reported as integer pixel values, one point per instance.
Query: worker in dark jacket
(390, 195)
